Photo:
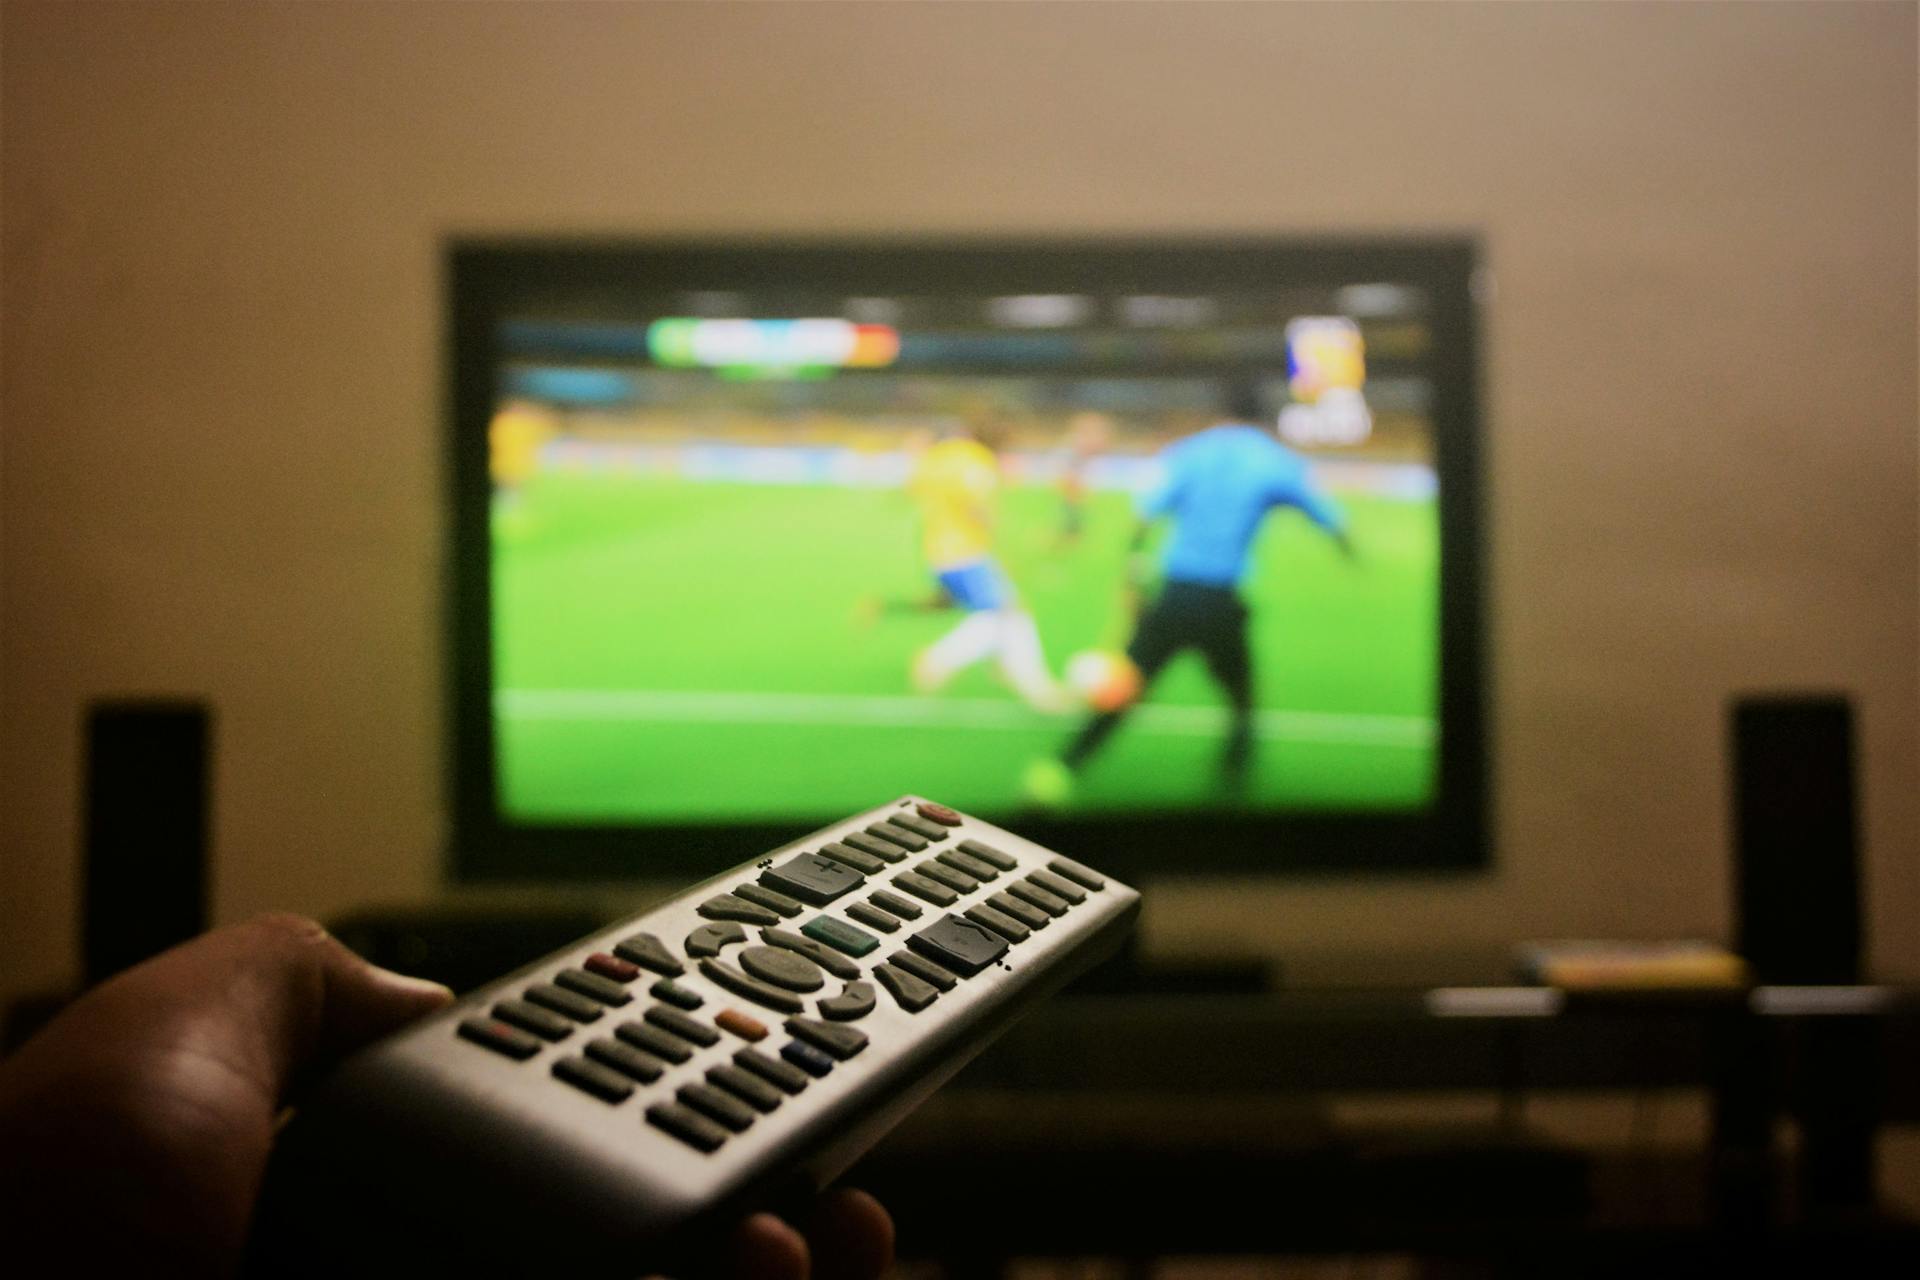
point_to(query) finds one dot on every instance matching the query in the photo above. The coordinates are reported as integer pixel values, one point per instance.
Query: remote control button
(898, 835)
(739, 1024)
(840, 1042)
(921, 887)
(918, 825)
(649, 952)
(760, 895)
(902, 907)
(958, 881)
(500, 1038)
(969, 864)
(751, 1089)
(605, 990)
(752, 988)
(654, 1041)
(676, 995)
(727, 907)
(611, 967)
(627, 1060)
(885, 850)
(710, 1102)
(811, 878)
(987, 853)
(853, 1003)
(782, 968)
(826, 957)
(865, 863)
(907, 991)
(518, 1013)
(681, 1025)
(872, 916)
(938, 813)
(1086, 877)
(579, 1008)
(924, 969)
(1027, 891)
(785, 1075)
(840, 936)
(1027, 914)
(1059, 888)
(806, 1057)
(1000, 922)
(593, 1078)
(690, 1128)
(712, 939)
(960, 945)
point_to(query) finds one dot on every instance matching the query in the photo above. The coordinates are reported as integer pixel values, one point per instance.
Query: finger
(850, 1236)
(765, 1248)
(309, 999)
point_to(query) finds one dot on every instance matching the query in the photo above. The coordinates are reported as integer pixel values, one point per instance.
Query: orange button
(740, 1024)
(938, 813)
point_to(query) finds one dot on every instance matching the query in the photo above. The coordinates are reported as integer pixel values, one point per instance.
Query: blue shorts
(977, 586)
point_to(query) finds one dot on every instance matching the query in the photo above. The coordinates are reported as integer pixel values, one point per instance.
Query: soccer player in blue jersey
(1218, 488)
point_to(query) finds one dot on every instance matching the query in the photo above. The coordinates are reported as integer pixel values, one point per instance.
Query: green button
(841, 937)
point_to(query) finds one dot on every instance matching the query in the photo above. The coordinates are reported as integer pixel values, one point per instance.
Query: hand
(135, 1129)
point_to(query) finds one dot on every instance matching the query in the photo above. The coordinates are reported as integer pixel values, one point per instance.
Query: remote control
(613, 1106)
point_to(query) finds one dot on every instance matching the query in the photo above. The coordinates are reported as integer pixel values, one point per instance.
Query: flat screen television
(1165, 551)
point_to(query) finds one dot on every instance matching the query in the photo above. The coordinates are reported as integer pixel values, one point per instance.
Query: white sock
(1024, 664)
(977, 636)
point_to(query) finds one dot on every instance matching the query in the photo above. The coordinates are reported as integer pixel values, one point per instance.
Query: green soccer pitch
(673, 650)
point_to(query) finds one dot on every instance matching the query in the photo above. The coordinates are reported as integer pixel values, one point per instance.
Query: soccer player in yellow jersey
(514, 437)
(956, 487)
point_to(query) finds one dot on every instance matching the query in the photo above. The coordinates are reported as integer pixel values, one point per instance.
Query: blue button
(806, 1057)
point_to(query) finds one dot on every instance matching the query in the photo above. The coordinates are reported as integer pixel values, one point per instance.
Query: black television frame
(489, 279)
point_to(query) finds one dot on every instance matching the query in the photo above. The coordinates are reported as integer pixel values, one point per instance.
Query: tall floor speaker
(1796, 842)
(144, 866)
(1798, 910)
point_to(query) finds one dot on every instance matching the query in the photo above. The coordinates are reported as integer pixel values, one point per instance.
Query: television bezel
(487, 280)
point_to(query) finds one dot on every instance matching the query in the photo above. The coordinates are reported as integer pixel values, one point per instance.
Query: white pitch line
(935, 713)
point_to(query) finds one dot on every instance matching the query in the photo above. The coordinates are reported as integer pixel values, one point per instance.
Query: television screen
(1135, 541)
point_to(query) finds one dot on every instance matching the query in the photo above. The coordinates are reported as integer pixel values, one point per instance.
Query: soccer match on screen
(762, 556)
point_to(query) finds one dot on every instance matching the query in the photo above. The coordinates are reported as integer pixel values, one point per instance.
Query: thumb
(312, 998)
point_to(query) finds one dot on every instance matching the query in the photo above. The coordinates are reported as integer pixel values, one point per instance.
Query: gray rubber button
(727, 907)
(921, 887)
(1058, 887)
(973, 866)
(958, 881)
(1000, 922)
(782, 967)
(1086, 877)
(909, 992)
(752, 988)
(872, 916)
(923, 969)
(649, 952)
(987, 853)
(824, 956)
(831, 1038)
(711, 939)
(1025, 912)
(865, 863)
(853, 1003)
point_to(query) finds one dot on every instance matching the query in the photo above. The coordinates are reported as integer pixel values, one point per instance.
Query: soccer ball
(1104, 681)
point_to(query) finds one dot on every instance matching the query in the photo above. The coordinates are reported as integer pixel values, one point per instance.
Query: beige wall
(221, 451)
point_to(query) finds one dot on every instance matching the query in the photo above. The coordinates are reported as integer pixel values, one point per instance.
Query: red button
(938, 813)
(611, 967)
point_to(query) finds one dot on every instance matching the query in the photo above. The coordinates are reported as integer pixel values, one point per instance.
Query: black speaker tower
(144, 885)
(1796, 840)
